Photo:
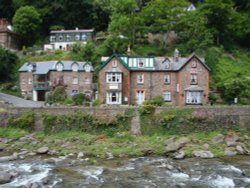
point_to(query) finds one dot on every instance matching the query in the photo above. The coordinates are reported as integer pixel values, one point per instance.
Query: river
(142, 172)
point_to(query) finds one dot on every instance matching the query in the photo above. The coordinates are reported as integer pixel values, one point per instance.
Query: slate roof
(160, 63)
(73, 31)
(43, 67)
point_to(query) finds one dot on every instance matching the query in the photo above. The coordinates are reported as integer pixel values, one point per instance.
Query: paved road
(19, 102)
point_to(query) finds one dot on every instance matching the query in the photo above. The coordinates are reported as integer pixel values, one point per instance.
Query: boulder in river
(217, 139)
(230, 152)
(203, 154)
(4, 177)
(179, 155)
(43, 150)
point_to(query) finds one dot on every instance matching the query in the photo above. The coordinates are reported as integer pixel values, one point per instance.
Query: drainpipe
(151, 85)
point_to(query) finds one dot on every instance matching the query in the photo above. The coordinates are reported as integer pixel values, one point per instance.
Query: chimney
(3, 23)
(76, 28)
(129, 50)
(176, 55)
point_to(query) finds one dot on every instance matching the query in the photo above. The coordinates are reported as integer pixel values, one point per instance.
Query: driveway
(19, 102)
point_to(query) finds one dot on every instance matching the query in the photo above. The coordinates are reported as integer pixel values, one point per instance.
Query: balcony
(40, 85)
(113, 86)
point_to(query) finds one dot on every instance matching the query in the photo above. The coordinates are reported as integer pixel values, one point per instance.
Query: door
(193, 97)
(140, 97)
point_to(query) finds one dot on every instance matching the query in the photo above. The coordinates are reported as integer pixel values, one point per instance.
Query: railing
(40, 85)
(114, 86)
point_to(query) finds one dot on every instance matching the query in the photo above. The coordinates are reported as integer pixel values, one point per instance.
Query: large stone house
(63, 39)
(180, 81)
(8, 38)
(36, 78)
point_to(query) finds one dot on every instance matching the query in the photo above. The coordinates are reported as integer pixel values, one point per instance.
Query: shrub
(97, 102)
(68, 101)
(25, 121)
(59, 94)
(78, 99)
(158, 101)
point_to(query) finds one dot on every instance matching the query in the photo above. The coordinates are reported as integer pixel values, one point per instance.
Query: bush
(68, 101)
(97, 102)
(158, 101)
(59, 94)
(78, 99)
(25, 121)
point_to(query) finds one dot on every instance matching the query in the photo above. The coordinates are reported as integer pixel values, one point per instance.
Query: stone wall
(223, 117)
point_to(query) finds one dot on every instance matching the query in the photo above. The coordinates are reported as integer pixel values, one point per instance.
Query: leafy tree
(59, 94)
(27, 22)
(8, 61)
(6, 9)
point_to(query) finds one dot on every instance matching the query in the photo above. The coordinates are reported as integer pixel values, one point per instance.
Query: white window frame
(52, 38)
(113, 95)
(77, 37)
(75, 67)
(193, 97)
(30, 81)
(114, 77)
(167, 96)
(141, 64)
(74, 80)
(84, 37)
(140, 78)
(167, 79)
(59, 67)
(193, 79)
(60, 38)
(68, 37)
(87, 68)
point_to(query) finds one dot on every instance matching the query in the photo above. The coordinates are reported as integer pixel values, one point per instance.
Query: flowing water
(143, 172)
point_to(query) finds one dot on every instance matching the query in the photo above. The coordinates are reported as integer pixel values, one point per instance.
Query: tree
(8, 61)
(6, 9)
(26, 22)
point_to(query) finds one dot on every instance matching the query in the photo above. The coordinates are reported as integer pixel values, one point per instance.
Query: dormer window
(84, 37)
(114, 63)
(59, 67)
(60, 38)
(194, 64)
(75, 67)
(30, 67)
(68, 37)
(167, 65)
(141, 64)
(77, 36)
(87, 68)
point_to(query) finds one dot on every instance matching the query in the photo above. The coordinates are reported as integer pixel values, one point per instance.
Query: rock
(174, 146)
(231, 139)
(217, 139)
(206, 146)
(109, 155)
(36, 185)
(43, 150)
(170, 141)
(179, 155)
(8, 158)
(239, 149)
(2, 147)
(147, 152)
(169, 167)
(203, 154)
(4, 177)
(80, 155)
(230, 152)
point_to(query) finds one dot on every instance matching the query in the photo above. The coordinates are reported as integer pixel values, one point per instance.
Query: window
(167, 79)
(194, 79)
(52, 38)
(113, 78)
(167, 65)
(59, 67)
(113, 98)
(140, 79)
(77, 37)
(30, 67)
(193, 97)
(68, 37)
(194, 64)
(84, 37)
(30, 81)
(114, 63)
(60, 38)
(167, 96)
(75, 81)
(87, 68)
(141, 64)
(75, 67)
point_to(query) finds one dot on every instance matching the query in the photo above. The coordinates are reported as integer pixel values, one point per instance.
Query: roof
(43, 67)
(73, 31)
(154, 63)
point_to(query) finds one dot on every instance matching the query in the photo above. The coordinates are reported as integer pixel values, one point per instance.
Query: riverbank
(80, 145)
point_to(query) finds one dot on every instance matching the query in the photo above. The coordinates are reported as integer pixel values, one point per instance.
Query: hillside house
(8, 38)
(131, 80)
(36, 78)
(63, 39)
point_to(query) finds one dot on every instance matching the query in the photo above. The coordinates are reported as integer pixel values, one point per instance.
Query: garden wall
(220, 117)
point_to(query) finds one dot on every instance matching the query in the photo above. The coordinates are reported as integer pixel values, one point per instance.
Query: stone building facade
(36, 78)
(8, 38)
(180, 81)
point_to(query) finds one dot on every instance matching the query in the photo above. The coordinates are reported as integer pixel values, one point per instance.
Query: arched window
(59, 67)
(75, 67)
(87, 68)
